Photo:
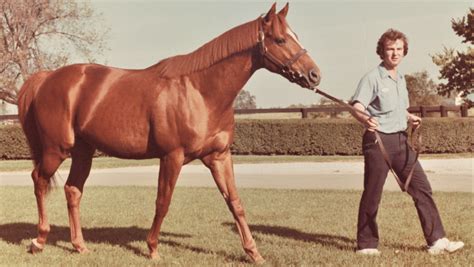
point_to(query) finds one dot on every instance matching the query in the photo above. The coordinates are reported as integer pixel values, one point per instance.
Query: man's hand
(414, 120)
(369, 122)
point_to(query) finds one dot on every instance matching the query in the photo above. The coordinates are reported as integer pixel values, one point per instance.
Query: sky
(340, 36)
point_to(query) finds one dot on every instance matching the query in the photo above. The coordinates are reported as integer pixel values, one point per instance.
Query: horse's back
(51, 100)
(110, 108)
(125, 113)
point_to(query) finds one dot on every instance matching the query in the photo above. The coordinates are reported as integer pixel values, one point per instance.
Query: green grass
(109, 162)
(291, 228)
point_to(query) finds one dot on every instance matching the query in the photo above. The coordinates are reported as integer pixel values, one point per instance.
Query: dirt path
(444, 175)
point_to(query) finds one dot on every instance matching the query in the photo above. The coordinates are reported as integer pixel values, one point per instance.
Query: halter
(285, 68)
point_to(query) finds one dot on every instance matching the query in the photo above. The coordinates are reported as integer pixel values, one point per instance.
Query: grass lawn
(109, 162)
(291, 228)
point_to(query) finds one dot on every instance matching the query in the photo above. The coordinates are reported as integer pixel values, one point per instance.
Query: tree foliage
(245, 100)
(456, 66)
(43, 35)
(422, 90)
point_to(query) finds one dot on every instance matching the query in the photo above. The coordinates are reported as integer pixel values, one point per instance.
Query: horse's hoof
(255, 256)
(154, 256)
(259, 261)
(83, 250)
(35, 247)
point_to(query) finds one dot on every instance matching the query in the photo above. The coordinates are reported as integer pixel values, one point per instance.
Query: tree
(43, 35)
(422, 90)
(245, 100)
(457, 67)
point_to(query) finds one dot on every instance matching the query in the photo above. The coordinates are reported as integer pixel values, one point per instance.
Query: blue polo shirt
(385, 98)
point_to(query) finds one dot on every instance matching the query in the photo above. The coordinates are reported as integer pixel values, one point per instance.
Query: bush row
(13, 143)
(341, 136)
(301, 137)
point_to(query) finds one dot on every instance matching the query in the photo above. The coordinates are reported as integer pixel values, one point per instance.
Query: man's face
(393, 52)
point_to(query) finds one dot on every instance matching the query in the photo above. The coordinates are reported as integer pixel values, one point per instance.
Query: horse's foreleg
(221, 168)
(170, 166)
(80, 169)
(41, 176)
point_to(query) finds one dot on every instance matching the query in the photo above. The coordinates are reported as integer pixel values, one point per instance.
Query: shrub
(301, 137)
(13, 143)
(340, 136)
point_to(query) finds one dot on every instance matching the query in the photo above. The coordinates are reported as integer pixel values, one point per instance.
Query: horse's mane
(235, 40)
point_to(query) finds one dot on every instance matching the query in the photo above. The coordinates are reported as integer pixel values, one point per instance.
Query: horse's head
(282, 52)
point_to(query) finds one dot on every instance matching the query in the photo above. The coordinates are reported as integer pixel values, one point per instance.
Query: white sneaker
(444, 245)
(368, 251)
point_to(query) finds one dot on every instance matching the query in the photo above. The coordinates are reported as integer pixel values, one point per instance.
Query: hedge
(341, 136)
(301, 137)
(13, 143)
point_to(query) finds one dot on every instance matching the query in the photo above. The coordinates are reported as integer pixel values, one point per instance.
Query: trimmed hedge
(301, 137)
(13, 143)
(297, 137)
(341, 136)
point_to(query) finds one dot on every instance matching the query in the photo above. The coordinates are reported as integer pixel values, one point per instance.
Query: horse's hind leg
(170, 166)
(41, 175)
(221, 168)
(81, 156)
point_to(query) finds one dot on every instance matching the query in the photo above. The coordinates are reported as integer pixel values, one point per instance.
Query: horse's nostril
(313, 76)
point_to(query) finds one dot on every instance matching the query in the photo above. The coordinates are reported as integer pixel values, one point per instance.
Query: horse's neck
(221, 83)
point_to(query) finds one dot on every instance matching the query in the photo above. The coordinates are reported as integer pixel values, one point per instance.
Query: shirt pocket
(387, 100)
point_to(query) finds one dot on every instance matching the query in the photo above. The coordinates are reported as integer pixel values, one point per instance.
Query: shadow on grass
(337, 242)
(15, 233)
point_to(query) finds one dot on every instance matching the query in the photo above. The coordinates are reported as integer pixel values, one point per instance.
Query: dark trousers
(375, 172)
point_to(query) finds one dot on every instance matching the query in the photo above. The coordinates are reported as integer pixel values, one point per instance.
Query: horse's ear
(270, 14)
(284, 10)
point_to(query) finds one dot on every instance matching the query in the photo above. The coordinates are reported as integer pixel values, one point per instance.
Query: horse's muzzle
(314, 78)
(308, 80)
(311, 79)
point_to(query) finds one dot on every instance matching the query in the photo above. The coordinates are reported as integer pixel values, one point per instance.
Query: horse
(177, 110)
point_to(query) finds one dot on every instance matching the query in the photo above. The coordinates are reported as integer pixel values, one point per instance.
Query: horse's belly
(128, 140)
(127, 150)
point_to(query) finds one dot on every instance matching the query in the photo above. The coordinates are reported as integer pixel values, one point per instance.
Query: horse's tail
(26, 114)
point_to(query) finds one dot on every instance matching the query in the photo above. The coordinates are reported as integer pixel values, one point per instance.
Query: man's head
(392, 47)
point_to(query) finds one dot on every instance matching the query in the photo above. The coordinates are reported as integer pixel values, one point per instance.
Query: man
(383, 96)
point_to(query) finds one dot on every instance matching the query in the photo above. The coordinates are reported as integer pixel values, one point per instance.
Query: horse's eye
(280, 41)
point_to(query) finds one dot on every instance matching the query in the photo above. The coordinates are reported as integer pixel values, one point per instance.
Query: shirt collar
(384, 72)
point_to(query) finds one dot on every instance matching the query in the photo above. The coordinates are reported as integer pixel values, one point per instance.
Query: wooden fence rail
(420, 110)
(8, 117)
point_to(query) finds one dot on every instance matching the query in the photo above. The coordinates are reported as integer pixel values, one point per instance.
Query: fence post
(444, 112)
(422, 111)
(464, 110)
(304, 113)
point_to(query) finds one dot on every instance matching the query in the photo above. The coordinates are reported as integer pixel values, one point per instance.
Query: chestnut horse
(178, 110)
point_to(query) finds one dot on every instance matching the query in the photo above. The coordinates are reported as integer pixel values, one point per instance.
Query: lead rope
(416, 147)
